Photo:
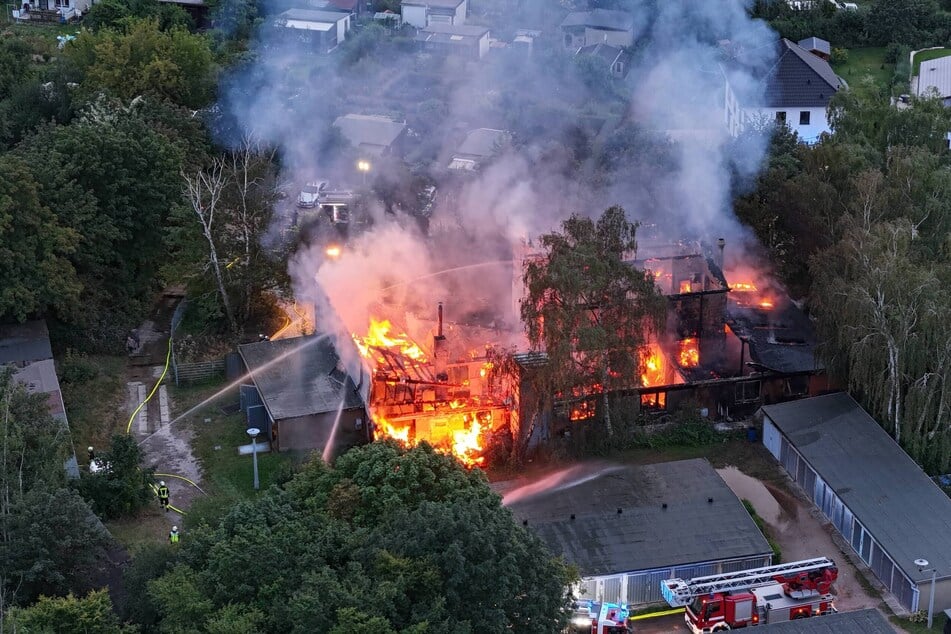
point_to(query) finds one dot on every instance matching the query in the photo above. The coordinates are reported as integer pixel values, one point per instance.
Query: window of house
(781, 116)
(796, 386)
(747, 391)
(618, 68)
(654, 400)
(804, 117)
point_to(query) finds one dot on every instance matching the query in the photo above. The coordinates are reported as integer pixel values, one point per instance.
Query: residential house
(934, 79)
(302, 397)
(325, 29)
(478, 148)
(817, 46)
(372, 135)
(469, 42)
(617, 59)
(50, 10)
(797, 89)
(26, 348)
(628, 528)
(422, 13)
(881, 503)
(600, 26)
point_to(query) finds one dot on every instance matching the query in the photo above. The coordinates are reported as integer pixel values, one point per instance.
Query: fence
(198, 372)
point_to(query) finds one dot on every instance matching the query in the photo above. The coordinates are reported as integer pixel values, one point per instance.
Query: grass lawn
(924, 56)
(921, 628)
(866, 62)
(94, 407)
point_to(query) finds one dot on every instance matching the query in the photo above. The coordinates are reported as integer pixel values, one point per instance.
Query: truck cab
(309, 195)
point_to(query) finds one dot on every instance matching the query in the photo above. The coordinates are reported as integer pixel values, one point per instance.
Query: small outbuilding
(371, 134)
(817, 46)
(461, 40)
(326, 30)
(300, 391)
(422, 13)
(478, 148)
(869, 621)
(878, 499)
(627, 528)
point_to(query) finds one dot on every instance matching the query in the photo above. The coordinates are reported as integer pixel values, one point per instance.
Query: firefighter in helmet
(163, 495)
(173, 535)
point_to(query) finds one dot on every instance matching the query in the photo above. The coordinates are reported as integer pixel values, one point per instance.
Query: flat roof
(307, 15)
(903, 509)
(40, 378)
(934, 75)
(464, 30)
(644, 536)
(25, 343)
(363, 130)
(605, 19)
(869, 621)
(438, 4)
(481, 143)
(307, 380)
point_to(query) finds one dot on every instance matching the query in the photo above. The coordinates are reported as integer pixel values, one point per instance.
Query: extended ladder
(678, 592)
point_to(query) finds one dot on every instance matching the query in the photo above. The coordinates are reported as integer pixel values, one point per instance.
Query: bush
(839, 56)
(76, 368)
(123, 487)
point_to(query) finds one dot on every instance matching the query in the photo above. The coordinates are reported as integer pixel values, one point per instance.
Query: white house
(601, 26)
(422, 13)
(796, 91)
(327, 29)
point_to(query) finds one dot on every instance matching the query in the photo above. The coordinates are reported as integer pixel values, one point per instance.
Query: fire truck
(591, 617)
(717, 603)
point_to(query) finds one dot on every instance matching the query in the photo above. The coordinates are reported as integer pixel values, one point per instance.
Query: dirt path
(167, 448)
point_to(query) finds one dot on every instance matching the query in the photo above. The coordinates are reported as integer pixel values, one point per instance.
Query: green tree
(91, 614)
(123, 488)
(35, 271)
(412, 528)
(139, 58)
(589, 308)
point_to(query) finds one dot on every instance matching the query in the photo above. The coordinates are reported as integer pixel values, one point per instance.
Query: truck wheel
(801, 615)
(722, 627)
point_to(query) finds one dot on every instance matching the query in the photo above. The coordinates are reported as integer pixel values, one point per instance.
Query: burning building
(443, 395)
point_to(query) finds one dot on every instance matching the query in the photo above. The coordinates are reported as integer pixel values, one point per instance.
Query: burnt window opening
(654, 401)
(747, 392)
(796, 386)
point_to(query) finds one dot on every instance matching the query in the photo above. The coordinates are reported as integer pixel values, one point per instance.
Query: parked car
(309, 195)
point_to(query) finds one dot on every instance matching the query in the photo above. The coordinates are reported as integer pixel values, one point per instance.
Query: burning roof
(780, 337)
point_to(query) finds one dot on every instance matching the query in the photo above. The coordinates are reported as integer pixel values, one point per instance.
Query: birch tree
(589, 309)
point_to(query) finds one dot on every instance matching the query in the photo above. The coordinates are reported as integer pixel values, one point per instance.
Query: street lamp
(253, 432)
(364, 166)
(923, 567)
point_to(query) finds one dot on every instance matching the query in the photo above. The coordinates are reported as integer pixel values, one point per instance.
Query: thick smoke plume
(655, 143)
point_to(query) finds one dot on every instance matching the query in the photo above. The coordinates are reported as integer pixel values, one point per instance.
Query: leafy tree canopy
(411, 528)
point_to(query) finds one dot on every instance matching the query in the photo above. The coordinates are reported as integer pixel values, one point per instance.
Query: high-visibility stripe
(641, 617)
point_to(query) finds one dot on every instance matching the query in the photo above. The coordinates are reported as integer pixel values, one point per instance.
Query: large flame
(378, 336)
(654, 372)
(689, 356)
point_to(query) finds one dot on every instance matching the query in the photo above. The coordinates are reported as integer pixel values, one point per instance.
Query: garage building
(868, 621)
(629, 528)
(881, 502)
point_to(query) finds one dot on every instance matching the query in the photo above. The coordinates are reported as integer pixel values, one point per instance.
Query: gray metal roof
(438, 4)
(24, 343)
(308, 15)
(40, 378)
(799, 79)
(905, 511)
(868, 621)
(481, 143)
(604, 19)
(934, 76)
(599, 541)
(307, 380)
(369, 130)
(816, 44)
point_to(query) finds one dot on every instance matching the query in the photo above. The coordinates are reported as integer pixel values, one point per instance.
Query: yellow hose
(168, 359)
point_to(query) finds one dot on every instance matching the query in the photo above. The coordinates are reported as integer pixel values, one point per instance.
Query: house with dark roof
(478, 148)
(462, 40)
(324, 29)
(600, 26)
(627, 528)
(26, 349)
(796, 90)
(371, 134)
(617, 59)
(302, 396)
(890, 512)
(868, 621)
(422, 13)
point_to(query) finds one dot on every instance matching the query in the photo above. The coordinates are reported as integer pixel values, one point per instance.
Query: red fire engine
(733, 600)
(592, 617)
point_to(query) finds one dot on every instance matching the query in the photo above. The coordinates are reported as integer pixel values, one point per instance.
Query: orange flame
(378, 336)
(653, 373)
(689, 353)
(685, 286)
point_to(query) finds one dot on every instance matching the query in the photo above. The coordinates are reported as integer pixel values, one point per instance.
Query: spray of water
(557, 481)
(444, 271)
(328, 448)
(241, 379)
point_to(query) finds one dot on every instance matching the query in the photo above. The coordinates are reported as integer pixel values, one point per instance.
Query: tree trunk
(605, 402)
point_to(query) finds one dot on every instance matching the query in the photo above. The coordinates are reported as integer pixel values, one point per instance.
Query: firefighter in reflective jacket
(163, 495)
(173, 535)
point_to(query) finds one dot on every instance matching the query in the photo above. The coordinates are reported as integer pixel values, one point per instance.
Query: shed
(455, 39)
(874, 494)
(479, 146)
(934, 79)
(629, 528)
(869, 621)
(371, 134)
(422, 13)
(325, 29)
(304, 390)
(604, 26)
